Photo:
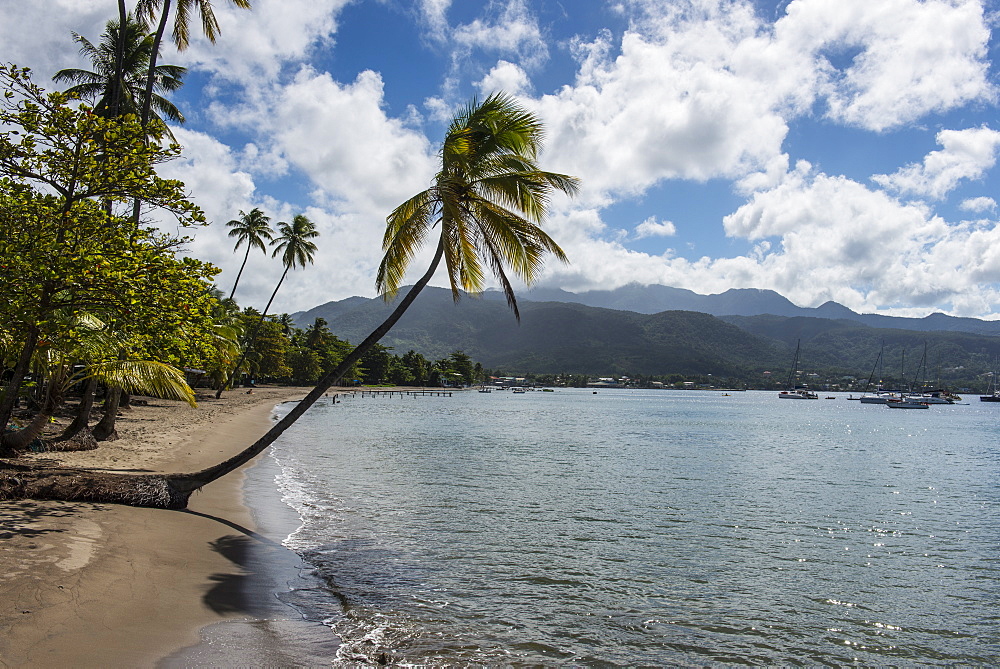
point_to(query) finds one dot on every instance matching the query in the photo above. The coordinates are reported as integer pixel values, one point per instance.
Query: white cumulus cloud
(653, 228)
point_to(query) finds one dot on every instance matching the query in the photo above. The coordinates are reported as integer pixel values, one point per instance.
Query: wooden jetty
(403, 393)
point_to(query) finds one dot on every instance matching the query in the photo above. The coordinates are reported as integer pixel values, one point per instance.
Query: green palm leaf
(488, 200)
(144, 376)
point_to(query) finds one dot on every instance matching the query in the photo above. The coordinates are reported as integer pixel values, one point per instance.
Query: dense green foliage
(300, 356)
(65, 172)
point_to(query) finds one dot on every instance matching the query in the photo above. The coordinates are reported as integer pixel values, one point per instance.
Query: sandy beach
(100, 585)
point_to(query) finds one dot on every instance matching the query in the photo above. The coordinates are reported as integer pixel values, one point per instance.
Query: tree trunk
(105, 428)
(147, 101)
(19, 441)
(82, 419)
(14, 387)
(171, 491)
(117, 85)
(240, 273)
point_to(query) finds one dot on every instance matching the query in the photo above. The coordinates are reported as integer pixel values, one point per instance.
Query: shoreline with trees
(81, 263)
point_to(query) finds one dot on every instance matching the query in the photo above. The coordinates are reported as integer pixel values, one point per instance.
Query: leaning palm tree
(487, 203)
(296, 248)
(252, 228)
(118, 88)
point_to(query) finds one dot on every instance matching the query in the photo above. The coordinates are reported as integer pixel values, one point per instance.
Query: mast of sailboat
(878, 361)
(902, 372)
(795, 363)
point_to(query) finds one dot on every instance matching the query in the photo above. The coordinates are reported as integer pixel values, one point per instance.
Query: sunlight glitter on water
(649, 528)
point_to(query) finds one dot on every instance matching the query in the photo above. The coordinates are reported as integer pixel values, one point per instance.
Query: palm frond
(145, 376)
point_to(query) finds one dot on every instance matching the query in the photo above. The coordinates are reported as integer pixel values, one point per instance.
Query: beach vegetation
(294, 243)
(483, 212)
(66, 173)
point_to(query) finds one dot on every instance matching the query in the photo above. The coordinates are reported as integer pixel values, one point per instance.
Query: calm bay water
(649, 528)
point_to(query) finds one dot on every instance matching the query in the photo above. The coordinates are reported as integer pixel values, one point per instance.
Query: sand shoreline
(97, 585)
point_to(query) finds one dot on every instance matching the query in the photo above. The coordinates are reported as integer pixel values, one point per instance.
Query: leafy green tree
(267, 355)
(461, 364)
(81, 352)
(399, 373)
(58, 248)
(417, 366)
(305, 365)
(375, 365)
(286, 324)
(253, 228)
(117, 88)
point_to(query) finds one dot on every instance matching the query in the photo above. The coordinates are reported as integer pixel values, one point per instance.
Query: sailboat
(904, 401)
(794, 393)
(992, 392)
(880, 396)
(930, 396)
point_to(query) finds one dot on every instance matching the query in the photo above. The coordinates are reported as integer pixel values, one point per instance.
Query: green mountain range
(570, 337)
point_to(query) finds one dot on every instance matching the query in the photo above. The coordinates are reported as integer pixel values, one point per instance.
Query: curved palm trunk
(171, 491)
(105, 428)
(190, 482)
(240, 273)
(253, 336)
(82, 419)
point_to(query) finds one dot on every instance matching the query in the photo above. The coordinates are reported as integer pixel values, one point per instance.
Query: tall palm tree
(118, 88)
(296, 248)
(489, 194)
(252, 228)
(182, 19)
(488, 200)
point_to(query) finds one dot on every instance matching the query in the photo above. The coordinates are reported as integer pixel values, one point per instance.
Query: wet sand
(98, 585)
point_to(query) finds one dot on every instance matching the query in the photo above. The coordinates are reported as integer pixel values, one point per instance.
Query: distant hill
(557, 337)
(748, 302)
(847, 344)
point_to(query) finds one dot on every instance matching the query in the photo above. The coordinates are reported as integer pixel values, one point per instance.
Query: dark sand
(100, 585)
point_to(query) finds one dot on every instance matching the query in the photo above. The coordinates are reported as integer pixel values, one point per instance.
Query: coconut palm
(117, 89)
(252, 228)
(296, 248)
(182, 18)
(488, 198)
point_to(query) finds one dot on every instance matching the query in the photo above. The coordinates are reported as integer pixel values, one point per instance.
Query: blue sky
(827, 149)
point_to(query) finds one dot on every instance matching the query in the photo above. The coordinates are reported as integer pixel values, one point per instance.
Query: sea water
(624, 527)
